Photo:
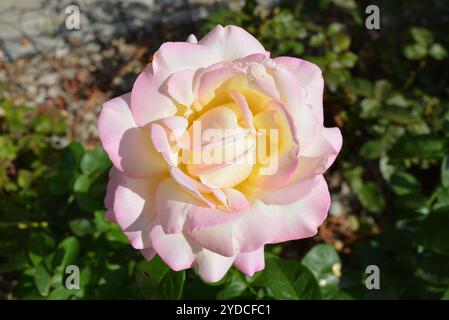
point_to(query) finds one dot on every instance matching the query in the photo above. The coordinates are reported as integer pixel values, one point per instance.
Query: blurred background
(387, 89)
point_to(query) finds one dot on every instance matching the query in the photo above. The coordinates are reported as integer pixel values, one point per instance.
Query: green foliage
(156, 281)
(288, 280)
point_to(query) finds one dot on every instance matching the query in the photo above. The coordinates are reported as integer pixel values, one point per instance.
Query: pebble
(53, 92)
(84, 61)
(69, 73)
(48, 79)
(93, 47)
(61, 52)
(31, 90)
(40, 96)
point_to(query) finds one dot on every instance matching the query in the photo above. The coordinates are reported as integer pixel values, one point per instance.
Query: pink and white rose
(170, 201)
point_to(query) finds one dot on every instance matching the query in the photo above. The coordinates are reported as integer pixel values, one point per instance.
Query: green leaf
(369, 107)
(433, 232)
(25, 178)
(421, 147)
(371, 197)
(437, 51)
(422, 36)
(445, 172)
(236, 285)
(82, 184)
(316, 40)
(70, 247)
(325, 264)
(404, 183)
(346, 4)
(71, 156)
(335, 28)
(382, 88)
(398, 115)
(86, 202)
(61, 182)
(95, 161)
(415, 51)
(445, 295)
(81, 226)
(42, 279)
(157, 281)
(40, 245)
(371, 149)
(442, 198)
(341, 42)
(348, 59)
(60, 293)
(288, 280)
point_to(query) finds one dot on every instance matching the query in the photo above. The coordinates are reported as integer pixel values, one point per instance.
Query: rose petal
(134, 208)
(267, 224)
(250, 262)
(301, 219)
(175, 206)
(174, 249)
(244, 109)
(248, 232)
(232, 42)
(167, 61)
(310, 78)
(128, 146)
(180, 87)
(148, 253)
(148, 104)
(212, 266)
(114, 179)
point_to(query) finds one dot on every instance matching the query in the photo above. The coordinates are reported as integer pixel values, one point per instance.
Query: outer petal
(268, 224)
(292, 192)
(181, 253)
(177, 56)
(128, 146)
(250, 262)
(148, 253)
(301, 219)
(334, 137)
(328, 142)
(176, 206)
(310, 78)
(290, 92)
(134, 208)
(319, 156)
(232, 42)
(174, 249)
(212, 266)
(147, 102)
(114, 180)
(248, 232)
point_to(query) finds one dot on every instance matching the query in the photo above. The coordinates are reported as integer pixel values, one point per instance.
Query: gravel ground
(78, 78)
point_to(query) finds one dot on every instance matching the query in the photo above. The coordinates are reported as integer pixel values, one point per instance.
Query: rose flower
(216, 151)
